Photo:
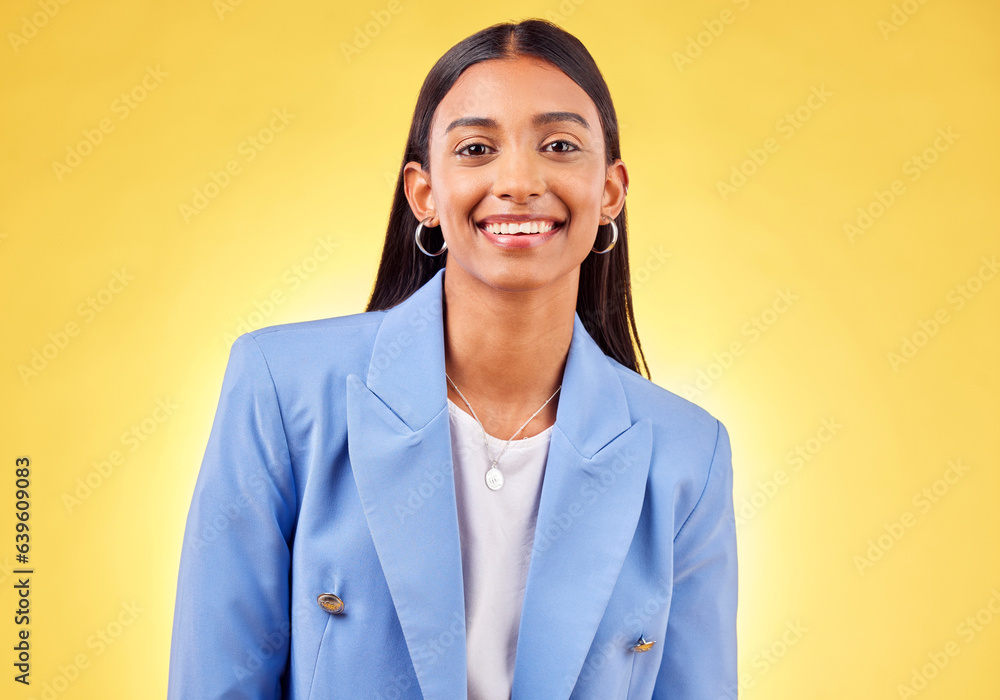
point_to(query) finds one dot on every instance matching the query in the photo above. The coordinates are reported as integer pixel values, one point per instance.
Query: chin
(516, 276)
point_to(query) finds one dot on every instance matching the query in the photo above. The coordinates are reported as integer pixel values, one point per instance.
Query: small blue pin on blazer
(324, 518)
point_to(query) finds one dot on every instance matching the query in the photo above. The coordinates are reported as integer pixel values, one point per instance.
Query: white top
(497, 529)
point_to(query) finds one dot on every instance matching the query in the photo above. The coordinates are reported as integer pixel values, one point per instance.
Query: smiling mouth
(530, 228)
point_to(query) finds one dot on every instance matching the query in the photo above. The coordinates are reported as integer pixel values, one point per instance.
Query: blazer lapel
(592, 494)
(399, 442)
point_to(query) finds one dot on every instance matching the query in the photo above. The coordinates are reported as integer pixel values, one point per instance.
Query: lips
(514, 225)
(555, 227)
(518, 240)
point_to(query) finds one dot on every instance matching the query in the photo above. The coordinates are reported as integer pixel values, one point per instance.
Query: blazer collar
(399, 443)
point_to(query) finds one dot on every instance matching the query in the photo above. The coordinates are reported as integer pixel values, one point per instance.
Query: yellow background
(706, 263)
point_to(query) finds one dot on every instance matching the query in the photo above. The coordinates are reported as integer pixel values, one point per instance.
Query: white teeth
(526, 227)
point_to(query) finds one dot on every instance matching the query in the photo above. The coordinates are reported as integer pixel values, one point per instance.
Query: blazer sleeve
(231, 627)
(699, 652)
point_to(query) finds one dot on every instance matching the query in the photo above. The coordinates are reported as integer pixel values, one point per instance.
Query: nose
(519, 175)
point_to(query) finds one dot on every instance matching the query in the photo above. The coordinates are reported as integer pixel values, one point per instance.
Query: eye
(572, 146)
(472, 145)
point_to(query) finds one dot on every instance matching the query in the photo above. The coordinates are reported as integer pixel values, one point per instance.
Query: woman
(469, 488)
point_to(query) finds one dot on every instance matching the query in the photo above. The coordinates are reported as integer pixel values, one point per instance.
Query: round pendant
(494, 479)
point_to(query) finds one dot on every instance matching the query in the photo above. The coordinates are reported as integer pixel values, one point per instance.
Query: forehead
(510, 90)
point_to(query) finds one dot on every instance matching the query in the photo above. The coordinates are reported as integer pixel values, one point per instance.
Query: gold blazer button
(331, 603)
(643, 645)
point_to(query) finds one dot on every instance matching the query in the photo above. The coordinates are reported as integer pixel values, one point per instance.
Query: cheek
(583, 201)
(461, 197)
(580, 191)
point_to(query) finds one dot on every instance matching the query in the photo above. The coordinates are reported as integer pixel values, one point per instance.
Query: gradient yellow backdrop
(813, 215)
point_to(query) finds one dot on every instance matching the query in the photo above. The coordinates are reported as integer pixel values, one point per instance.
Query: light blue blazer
(328, 471)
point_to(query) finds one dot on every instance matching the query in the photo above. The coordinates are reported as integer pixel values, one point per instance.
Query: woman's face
(517, 139)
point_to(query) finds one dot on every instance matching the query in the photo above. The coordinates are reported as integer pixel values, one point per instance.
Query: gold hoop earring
(416, 237)
(614, 238)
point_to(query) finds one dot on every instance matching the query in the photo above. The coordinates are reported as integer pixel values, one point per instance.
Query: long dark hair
(604, 299)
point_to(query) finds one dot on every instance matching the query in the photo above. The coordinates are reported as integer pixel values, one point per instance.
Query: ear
(417, 184)
(615, 189)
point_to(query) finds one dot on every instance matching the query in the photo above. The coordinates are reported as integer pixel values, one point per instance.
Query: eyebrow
(538, 120)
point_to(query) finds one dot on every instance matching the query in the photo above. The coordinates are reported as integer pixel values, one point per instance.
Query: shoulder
(692, 455)
(302, 348)
(649, 400)
(682, 423)
(325, 329)
(342, 332)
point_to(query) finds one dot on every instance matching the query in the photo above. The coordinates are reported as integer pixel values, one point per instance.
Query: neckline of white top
(455, 410)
